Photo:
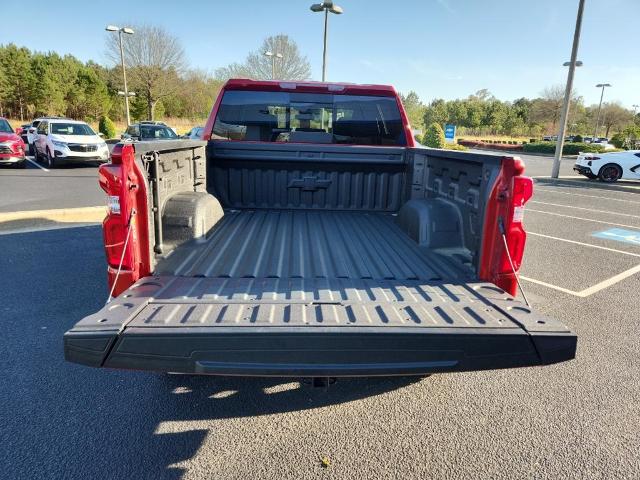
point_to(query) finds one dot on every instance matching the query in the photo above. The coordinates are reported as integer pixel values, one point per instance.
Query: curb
(584, 182)
(62, 215)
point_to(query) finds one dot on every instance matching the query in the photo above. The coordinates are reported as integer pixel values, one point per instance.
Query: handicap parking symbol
(620, 235)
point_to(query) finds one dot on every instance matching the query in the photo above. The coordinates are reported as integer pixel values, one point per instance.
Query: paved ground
(574, 420)
(36, 188)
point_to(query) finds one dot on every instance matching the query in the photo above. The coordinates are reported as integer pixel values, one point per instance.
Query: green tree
(434, 137)
(436, 112)
(414, 108)
(615, 116)
(18, 79)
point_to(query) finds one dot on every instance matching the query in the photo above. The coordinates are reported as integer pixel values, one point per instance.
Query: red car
(11, 146)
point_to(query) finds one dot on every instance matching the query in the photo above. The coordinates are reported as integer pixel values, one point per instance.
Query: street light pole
(128, 31)
(328, 7)
(635, 107)
(273, 57)
(324, 45)
(567, 93)
(603, 86)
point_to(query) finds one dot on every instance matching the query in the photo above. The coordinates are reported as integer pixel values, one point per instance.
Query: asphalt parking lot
(38, 188)
(578, 419)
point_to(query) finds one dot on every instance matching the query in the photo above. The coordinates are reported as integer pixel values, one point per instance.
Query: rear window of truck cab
(308, 118)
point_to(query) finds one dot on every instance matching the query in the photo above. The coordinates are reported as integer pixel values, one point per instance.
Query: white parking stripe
(599, 247)
(584, 208)
(591, 290)
(585, 219)
(37, 165)
(610, 281)
(548, 285)
(538, 189)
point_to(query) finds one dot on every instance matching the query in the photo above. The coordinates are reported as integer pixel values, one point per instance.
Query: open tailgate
(315, 327)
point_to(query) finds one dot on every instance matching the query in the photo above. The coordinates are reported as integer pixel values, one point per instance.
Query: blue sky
(439, 48)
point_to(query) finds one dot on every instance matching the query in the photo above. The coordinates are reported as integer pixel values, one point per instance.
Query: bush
(453, 146)
(617, 140)
(578, 139)
(434, 136)
(568, 149)
(106, 127)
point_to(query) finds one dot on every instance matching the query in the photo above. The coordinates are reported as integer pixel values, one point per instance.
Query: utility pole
(603, 86)
(567, 93)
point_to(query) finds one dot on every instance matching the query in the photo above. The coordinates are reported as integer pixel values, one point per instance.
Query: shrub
(568, 149)
(434, 136)
(106, 127)
(453, 146)
(578, 139)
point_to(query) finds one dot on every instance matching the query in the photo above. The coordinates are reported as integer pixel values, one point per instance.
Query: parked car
(62, 139)
(142, 131)
(609, 167)
(319, 241)
(12, 149)
(32, 132)
(195, 133)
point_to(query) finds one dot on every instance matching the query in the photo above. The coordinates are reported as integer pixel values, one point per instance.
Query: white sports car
(609, 167)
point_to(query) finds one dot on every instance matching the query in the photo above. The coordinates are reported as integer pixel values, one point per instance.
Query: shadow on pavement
(62, 420)
(30, 225)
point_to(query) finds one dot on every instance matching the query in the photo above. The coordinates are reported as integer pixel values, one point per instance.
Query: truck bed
(314, 293)
(315, 260)
(312, 245)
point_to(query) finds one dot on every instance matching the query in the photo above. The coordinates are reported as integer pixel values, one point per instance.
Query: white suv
(63, 139)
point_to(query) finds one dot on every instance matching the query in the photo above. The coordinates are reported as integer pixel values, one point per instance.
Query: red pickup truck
(307, 234)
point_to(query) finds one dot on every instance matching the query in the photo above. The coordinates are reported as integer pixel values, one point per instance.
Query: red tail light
(125, 187)
(505, 212)
(516, 236)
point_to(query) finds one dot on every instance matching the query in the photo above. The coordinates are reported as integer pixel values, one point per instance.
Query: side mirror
(32, 130)
(19, 131)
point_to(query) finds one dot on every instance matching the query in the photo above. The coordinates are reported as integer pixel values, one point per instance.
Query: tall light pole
(326, 6)
(273, 57)
(603, 86)
(555, 171)
(128, 31)
(635, 107)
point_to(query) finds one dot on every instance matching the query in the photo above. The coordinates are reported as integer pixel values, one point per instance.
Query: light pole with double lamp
(128, 31)
(603, 86)
(273, 57)
(326, 7)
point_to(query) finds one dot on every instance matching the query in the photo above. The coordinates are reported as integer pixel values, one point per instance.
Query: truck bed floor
(311, 244)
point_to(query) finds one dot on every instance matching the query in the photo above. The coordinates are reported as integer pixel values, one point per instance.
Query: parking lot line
(590, 290)
(585, 219)
(538, 189)
(599, 247)
(37, 165)
(549, 285)
(584, 208)
(611, 281)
